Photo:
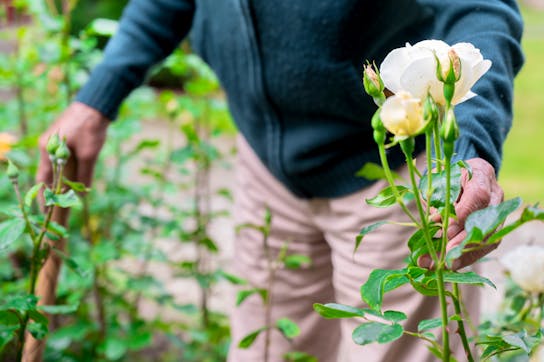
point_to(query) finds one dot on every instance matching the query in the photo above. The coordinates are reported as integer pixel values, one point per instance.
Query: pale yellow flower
(402, 115)
(6, 143)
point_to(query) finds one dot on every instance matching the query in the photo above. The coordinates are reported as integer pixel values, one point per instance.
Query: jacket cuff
(105, 91)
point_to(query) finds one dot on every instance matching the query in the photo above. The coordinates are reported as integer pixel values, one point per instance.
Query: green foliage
(99, 300)
(376, 332)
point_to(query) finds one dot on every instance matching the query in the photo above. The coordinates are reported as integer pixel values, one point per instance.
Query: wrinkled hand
(478, 192)
(85, 131)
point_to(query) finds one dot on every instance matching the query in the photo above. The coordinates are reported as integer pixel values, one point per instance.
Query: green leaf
(376, 332)
(19, 302)
(248, 340)
(32, 194)
(58, 309)
(66, 200)
(372, 291)
(466, 278)
(209, 244)
(296, 356)
(7, 333)
(71, 263)
(138, 340)
(114, 348)
(531, 213)
(488, 219)
(288, 328)
(372, 171)
(394, 316)
(233, 279)
(427, 324)
(386, 197)
(516, 340)
(335, 311)
(296, 261)
(38, 330)
(76, 186)
(10, 231)
(438, 195)
(366, 230)
(242, 295)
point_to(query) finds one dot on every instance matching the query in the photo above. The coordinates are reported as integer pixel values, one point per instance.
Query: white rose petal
(526, 267)
(413, 69)
(402, 114)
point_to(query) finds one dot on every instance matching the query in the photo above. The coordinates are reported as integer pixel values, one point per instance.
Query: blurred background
(147, 276)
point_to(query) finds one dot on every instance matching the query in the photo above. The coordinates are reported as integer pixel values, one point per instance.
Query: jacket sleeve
(495, 27)
(149, 30)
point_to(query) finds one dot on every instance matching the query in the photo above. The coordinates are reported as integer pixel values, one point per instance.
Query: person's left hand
(478, 192)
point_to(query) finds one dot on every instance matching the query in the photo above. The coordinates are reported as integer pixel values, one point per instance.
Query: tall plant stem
(461, 325)
(389, 177)
(437, 148)
(97, 295)
(438, 265)
(269, 298)
(35, 261)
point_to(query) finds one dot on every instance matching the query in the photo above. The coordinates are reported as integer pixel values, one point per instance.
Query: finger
(425, 261)
(84, 169)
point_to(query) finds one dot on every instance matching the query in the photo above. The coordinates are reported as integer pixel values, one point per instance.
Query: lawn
(523, 166)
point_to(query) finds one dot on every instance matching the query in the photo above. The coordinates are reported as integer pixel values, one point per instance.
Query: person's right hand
(84, 129)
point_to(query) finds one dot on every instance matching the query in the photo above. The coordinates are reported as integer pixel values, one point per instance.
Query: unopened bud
(12, 171)
(376, 122)
(372, 81)
(455, 66)
(449, 131)
(63, 153)
(52, 144)
(448, 70)
(430, 112)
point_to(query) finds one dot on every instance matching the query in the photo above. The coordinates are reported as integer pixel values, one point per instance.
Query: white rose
(526, 267)
(402, 115)
(413, 68)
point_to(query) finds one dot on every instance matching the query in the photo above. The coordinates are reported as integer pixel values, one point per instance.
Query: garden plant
(427, 80)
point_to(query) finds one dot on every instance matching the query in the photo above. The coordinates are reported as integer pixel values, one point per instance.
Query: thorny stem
(201, 198)
(158, 201)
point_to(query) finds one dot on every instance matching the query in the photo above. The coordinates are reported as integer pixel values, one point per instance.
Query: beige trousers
(325, 230)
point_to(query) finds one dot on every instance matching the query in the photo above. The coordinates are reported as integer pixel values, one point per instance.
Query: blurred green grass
(522, 173)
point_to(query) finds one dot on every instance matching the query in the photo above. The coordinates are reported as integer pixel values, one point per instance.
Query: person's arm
(495, 27)
(148, 31)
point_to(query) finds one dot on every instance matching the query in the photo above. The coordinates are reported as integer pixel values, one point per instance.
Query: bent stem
(389, 177)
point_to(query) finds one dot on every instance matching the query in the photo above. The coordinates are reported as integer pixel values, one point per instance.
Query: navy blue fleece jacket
(292, 73)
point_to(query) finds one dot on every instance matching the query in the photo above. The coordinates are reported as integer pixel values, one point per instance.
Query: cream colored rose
(402, 115)
(526, 267)
(413, 69)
